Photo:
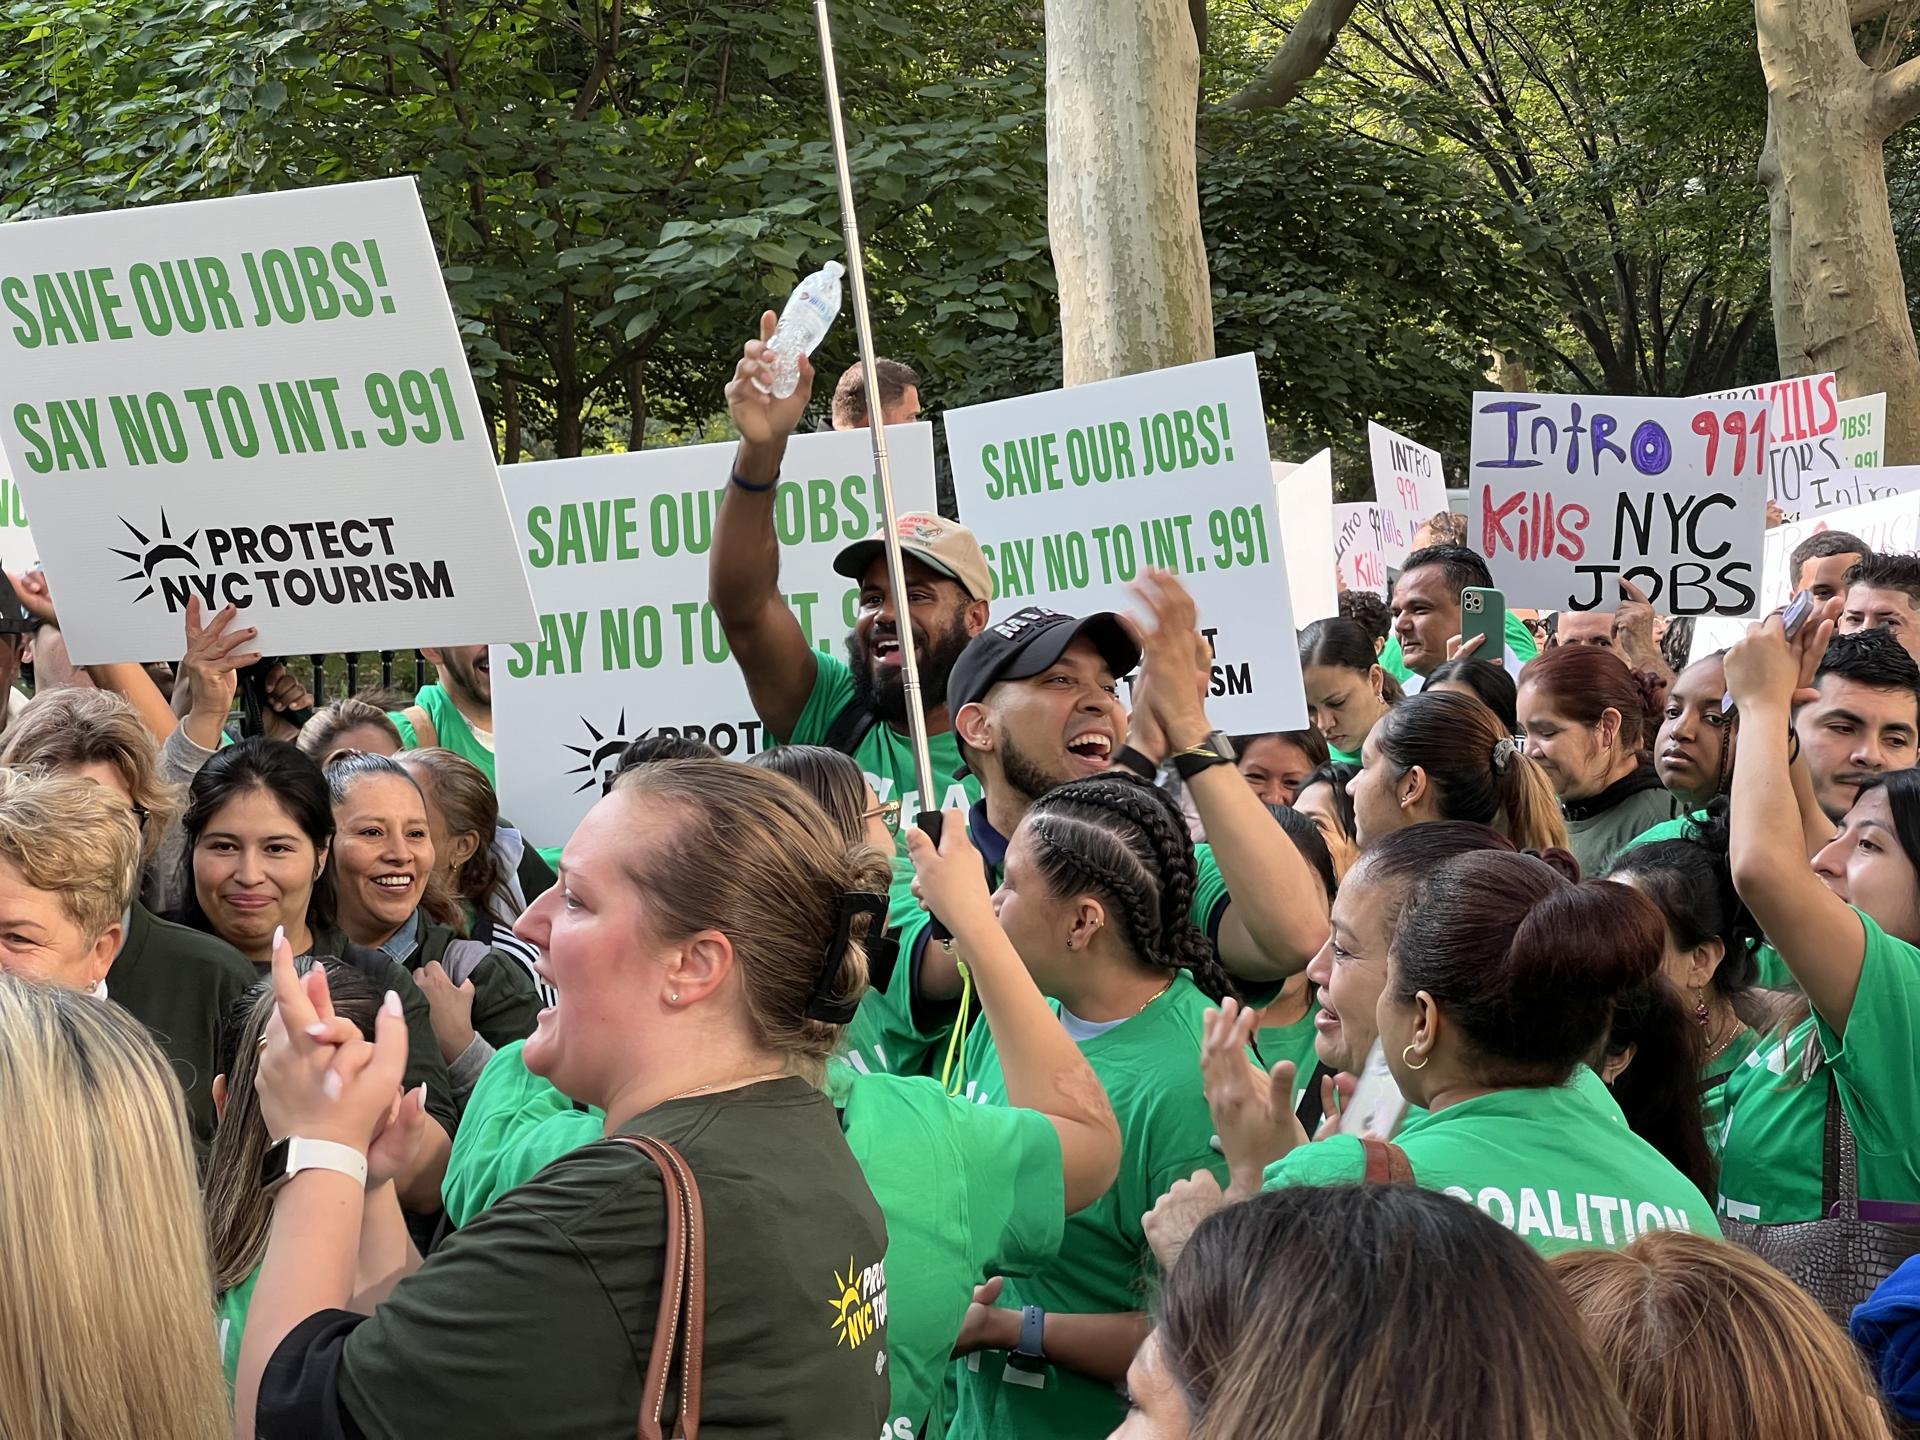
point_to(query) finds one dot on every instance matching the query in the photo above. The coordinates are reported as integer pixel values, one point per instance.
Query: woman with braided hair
(1099, 880)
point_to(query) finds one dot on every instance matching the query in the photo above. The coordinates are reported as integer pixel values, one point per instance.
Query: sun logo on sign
(605, 749)
(153, 553)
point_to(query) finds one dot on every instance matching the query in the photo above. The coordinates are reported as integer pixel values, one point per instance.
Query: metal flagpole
(857, 278)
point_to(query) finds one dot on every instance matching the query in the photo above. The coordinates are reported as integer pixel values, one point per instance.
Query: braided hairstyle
(1122, 837)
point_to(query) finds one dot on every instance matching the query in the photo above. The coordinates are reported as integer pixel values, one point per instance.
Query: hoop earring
(1409, 1064)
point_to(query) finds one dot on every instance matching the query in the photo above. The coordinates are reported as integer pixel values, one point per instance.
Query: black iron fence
(392, 675)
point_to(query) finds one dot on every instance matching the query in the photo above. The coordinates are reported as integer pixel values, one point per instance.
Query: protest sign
(1074, 492)
(1303, 500)
(1572, 492)
(1863, 430)
(1409, 483)
(1357, 557)
(1803, 437)
(616, 547)
(17, 549)
(260, 401)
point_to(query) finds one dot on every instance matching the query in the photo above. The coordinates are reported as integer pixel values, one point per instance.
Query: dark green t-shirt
(180, 984)
(537, 1318)
(505, 1004)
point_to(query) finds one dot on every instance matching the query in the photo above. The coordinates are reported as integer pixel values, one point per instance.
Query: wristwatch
(1216, 749)
(1033, 1324)
(287, 1158)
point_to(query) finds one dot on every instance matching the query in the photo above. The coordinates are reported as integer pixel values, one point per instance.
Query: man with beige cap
(856, 706)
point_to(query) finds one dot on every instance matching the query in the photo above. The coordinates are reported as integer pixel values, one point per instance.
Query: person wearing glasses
(178, 982)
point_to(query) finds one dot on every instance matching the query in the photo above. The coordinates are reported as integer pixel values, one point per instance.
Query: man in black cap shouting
(807, 698)
(1036, 702)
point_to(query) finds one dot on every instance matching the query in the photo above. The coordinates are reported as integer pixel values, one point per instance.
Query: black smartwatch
(1216, 749)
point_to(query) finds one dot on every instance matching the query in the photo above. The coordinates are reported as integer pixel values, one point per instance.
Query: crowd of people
(1530, 1047)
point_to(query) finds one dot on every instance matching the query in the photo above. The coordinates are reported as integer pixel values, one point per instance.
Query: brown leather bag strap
(1387, 1163)
(680, 1328)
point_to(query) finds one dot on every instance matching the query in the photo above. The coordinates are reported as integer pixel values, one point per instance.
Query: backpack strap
(463, 957)
(849, 728)
(1387, 1163)
(425, 736)
(679, 1331)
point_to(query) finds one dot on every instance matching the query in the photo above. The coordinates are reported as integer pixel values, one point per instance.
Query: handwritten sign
(1805, 435)
(1572, 492)
(1409, 483)
(1357, 556)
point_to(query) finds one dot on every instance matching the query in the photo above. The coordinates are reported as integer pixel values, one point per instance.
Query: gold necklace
(728, 1085)
(1717, 1051)
(1156, 995)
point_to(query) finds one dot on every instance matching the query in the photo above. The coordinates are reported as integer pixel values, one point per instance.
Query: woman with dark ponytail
(1503, 976)
(1446, 756)
(1099, 878)
(1590, 723)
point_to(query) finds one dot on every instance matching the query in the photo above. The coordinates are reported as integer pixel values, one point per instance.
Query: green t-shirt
(449, 725)
(883, 752)
(537, 1317)
(968, 1191)
(1292, 1042)
(1680, 827)
(886, 1035)
(1714, 1075)
(231, 1311)
(1150, 1067)
(1773, 1143)
(1546, 1162)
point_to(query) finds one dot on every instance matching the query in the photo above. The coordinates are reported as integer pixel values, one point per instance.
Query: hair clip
(846, 909)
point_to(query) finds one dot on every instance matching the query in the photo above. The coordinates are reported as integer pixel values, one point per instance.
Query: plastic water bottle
(804, 324)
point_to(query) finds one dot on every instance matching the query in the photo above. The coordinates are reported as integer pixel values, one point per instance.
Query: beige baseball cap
(942, 544)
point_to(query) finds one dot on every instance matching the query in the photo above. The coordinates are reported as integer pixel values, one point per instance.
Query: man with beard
(802, 696)
(457, 713)
(1036, 703)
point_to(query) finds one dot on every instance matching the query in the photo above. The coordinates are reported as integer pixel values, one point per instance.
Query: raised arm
(1043, 1068)
(1817, 933)
(1277, 918)
(743, 569)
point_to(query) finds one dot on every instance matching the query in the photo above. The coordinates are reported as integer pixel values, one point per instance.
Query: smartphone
(1797, 613)
(1484, 612)
(1377, 1106)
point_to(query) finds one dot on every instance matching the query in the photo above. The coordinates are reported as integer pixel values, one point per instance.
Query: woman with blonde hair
(1706, 1341)
(70, 849)
(103, 1268)
(706, 946)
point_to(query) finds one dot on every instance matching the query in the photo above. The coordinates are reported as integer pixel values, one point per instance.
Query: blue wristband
(752, 489)
(1033, 1322)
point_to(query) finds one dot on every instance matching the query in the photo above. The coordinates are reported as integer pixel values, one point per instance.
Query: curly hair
(1122, 837)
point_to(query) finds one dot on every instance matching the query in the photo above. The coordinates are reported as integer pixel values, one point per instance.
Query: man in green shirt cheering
(806, 696)
(457, 713)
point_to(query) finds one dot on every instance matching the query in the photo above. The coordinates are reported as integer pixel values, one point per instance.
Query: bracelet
(1128, 758)
(1033, 1321)
(733, 477)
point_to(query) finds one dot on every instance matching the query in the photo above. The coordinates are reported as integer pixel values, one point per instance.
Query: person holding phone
(1588, 721)
(1427, 616)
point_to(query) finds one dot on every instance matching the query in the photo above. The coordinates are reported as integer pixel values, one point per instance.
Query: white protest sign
(17, 548)
(1570, 492)
(1863, 430)
(1074, 492)
(1409, 483)
(616, 547)
(1803, 436)
(259, 401)
(1356, 547)
(1303, 499)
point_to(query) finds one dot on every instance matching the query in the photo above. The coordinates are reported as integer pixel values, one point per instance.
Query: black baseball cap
(1027, 642)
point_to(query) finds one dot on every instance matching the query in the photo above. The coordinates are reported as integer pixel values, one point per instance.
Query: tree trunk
(1123, 204)
(1830, 116)
(1789, 313)
(637, 405)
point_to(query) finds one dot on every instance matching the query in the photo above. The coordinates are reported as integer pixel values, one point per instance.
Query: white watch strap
(304, 1154)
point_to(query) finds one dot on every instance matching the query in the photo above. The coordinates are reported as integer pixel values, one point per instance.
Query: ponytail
(1474, 769)
(1530, 811)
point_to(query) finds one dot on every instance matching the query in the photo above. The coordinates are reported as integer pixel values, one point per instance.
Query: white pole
(857, 277)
